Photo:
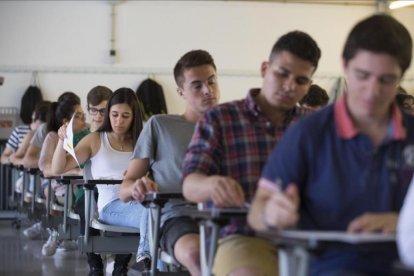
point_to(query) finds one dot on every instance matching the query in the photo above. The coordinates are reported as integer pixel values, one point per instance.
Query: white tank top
(108, 163)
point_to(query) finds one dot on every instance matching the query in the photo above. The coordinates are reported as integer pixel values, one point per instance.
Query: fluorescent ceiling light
(400, 4)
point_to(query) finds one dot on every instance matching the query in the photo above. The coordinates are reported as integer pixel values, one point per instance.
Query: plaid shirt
(235, 139)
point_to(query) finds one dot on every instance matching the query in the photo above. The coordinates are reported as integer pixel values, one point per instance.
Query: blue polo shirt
(341, 175)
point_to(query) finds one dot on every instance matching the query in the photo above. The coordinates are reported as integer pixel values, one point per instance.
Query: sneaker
(34, 231)
(49, 248)
(142, 264)
(18, 188)
(67, 245)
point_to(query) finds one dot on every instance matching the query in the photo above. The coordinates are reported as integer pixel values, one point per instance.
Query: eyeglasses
(94, 111)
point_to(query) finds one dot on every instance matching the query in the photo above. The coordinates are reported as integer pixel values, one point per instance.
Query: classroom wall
(68, 42)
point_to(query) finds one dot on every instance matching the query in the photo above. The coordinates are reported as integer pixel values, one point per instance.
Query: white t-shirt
(108, 163)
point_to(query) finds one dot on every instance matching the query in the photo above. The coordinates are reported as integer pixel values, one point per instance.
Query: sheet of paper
(337, 236)
(68, 142)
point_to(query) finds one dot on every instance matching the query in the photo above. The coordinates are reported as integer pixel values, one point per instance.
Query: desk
(296, 247)
(156, 201)
(212, 219)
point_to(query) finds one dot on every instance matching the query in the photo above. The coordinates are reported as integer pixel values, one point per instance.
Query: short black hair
(380, 34)
(316, 96)
(300, 44)
(191, 59)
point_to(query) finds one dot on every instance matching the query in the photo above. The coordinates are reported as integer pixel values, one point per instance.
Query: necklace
(119, 146)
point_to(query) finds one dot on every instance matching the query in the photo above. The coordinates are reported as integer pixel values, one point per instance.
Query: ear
(180, 91)
(263, 68)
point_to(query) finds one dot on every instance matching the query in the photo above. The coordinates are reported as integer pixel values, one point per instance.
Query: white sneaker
(67, 245)
(49, 248)
(18, 187)
(34, 231)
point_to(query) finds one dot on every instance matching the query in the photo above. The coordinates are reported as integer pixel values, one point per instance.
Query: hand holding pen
(281, 210)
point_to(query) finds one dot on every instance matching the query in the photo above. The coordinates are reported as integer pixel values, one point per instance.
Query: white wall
(68, 36)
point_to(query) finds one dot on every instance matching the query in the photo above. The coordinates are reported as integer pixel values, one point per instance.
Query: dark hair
(316, 96)
(191, 59)
(69, 96)
(300, 44)
(401, 90)
(98, 94)
(41, 111)
(124, 96)
(405, 101)
(151, 97)
(59, 111)
(380, 34)
(31, 97)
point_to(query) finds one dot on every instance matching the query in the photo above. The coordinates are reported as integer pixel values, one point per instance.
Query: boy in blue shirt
(348, 167)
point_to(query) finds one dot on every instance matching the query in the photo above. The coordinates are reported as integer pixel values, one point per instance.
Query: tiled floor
(21, 256)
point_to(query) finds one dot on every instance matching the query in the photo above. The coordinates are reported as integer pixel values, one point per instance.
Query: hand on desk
(142, 186)
(374, 222)
(281, 210)
(226, 192)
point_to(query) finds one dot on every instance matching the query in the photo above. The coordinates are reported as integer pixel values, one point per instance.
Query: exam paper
(68, 142)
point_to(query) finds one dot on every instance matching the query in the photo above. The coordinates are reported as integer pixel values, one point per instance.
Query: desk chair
(69, 229)
(210, 221)
(296, 247)
(113, 239)
(155, 201)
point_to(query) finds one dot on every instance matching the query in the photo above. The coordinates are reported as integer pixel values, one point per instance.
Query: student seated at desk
(231, 143)
(109, 150)
(15, 146)
(347, 167)
(60, 113)
(32, 154)
(160, 151)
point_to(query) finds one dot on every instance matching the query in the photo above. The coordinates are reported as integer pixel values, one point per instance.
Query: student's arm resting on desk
(374, 222)
(20, 152)
(31, 158)
(136, 183)
(222, 191)
(274, 208)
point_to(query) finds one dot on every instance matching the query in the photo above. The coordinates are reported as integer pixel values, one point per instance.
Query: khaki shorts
(236, 251)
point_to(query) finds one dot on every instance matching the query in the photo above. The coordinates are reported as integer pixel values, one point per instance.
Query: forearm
(5, 156)
(127, 186)
(256, 212)
(25, 144)
(196, 187)
(30, 161)
(59, 159)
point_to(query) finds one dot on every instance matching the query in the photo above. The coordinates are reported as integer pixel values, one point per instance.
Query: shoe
(49, 248)
(142, 264)
(18, 188)
(67, 245)
(34, 231)
(95, 271)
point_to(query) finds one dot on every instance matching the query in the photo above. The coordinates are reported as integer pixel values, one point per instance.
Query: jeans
(130, 214)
